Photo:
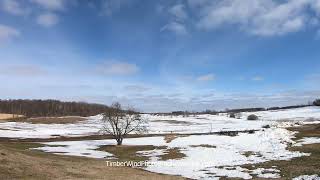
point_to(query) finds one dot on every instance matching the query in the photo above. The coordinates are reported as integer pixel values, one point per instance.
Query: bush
(266, 126)
(252, 117)
(316, 102)
(232, 115)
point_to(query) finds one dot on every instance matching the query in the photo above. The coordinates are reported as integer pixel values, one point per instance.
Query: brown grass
(174, 122)
(170, 137)
(204, 145)
(9, 116)
(18, 163)
(172, 153)
(51, 120)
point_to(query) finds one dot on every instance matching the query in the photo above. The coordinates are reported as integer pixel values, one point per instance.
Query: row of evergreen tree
(41, 108)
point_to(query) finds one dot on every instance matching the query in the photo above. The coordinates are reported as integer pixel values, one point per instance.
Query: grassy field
(17, 162)
(10, 116)
(41, 120)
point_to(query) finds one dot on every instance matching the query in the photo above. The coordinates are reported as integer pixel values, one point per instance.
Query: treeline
(41, 108)
(233, 112)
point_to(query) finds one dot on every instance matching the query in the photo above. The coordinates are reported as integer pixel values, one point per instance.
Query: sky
(161, 55)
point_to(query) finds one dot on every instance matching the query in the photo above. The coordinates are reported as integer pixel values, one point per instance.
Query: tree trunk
(119, 141)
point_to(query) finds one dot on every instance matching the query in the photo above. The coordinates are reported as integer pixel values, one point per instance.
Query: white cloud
(118, 68)
(178, 11)
(7, 33)
(177, 28)
(257, 78)
(207, 77)
(51, 4)
(257, 17)
(47, 19)
(22, 70)
(13, 7)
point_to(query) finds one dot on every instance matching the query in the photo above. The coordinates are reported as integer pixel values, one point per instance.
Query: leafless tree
(119, 123)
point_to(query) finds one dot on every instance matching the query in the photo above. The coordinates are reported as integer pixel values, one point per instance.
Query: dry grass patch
(170, 137)
(18, 163)
(52, 120)
(172, 153)
(174, 122)
(10, 116)
(204, 145)
(251, 153)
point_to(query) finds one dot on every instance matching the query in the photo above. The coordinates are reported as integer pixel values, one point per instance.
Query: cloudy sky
(161, 55)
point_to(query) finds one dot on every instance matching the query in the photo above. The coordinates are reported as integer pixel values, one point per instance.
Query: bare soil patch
(172, 153)
(204, 145)
(174, 122)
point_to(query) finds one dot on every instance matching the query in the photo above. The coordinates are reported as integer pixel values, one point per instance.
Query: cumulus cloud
(118, 68)
(177, 23)
(13, 7)
(178, 11)
(48, 19)
(175, 27)
(257, 17)
(7, 33)
(207, 77)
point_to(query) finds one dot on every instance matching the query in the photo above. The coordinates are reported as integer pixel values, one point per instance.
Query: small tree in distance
(316, 102)
(119, 123)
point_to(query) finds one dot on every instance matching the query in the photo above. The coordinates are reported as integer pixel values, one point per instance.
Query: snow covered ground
(223, 157)
(307, 177)
(200, 161)
(167, 124)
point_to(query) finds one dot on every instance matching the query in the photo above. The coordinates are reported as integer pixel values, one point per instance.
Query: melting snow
(200, 162)
(307, 177)
(224, 158)
(308, 140)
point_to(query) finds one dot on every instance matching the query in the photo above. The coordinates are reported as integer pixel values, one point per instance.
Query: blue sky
(162, 55)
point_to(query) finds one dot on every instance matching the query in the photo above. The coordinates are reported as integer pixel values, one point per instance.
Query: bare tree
(119, 123)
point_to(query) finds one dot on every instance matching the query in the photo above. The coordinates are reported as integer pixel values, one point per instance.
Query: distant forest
(41, 108)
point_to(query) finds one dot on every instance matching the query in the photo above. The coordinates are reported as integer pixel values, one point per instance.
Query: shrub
(316, 102)
(266, 126)
(252, 117)
(232, 115)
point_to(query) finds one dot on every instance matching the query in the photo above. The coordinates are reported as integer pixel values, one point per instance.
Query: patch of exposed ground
(251, 153)
(10, 116)
(174, 122)
(18, 163)
(170, 137)
(172, 153)
(204, 145)
(51, 120)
